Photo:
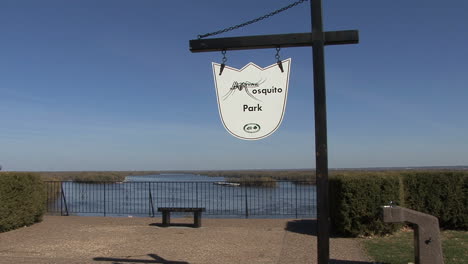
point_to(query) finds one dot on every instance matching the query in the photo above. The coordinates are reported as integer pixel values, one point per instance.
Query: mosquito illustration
(243, 86)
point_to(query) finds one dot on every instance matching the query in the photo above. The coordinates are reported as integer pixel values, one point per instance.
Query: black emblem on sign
(252, 128)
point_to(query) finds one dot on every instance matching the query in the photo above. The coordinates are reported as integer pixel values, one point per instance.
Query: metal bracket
(224, 62)
(278, 61)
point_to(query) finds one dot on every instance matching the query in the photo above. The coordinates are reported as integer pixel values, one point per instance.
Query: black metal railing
(292, 199)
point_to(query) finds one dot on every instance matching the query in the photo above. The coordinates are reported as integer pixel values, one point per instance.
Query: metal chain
(224, 56)
(277, 56)
(252, 21)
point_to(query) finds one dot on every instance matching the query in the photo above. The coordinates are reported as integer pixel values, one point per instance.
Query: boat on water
(232, 184)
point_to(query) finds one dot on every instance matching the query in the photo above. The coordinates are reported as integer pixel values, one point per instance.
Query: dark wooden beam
(273, 41)
(321, 144)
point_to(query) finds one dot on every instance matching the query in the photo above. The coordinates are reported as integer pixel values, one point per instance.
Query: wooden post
(321, 153)
(317, 39)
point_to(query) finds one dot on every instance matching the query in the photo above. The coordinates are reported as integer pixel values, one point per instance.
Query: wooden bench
(166, 214)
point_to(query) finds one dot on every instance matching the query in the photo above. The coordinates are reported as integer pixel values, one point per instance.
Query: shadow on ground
(302, 226)
(155, 259)
(306, 227)
(337, 261)
(309, 227)
(173, 225)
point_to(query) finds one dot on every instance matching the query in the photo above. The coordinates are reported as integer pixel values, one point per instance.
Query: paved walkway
(81, 240)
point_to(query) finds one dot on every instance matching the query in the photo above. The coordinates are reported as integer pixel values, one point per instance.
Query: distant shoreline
(156, 172)
(232, 175)
(91, 176)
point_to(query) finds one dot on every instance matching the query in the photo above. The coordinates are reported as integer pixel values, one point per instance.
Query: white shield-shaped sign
(252, 100)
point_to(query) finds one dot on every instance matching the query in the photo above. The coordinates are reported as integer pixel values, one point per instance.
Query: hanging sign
(252, 100)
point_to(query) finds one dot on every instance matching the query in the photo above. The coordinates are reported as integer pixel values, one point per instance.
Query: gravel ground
(71, 239)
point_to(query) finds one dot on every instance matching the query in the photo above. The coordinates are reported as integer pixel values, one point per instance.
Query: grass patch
(304, 176)
(398, 248)
(254, 181)
(455, 246)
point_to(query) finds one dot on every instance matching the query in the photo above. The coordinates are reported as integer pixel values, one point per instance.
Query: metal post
(296, 197)
(196, 194)
(104, 199)
(321, 154)
(62, 194)
(61, 198)
(150, 200)
(246, 204)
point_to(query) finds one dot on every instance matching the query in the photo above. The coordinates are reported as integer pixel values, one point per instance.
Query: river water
(142, 195)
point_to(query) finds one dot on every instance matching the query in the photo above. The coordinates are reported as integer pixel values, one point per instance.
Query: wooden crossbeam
(273, 41)
(317, 39)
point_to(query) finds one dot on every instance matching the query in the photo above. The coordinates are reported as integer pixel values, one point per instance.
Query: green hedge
(442, 194)
(355, 199)
(22, 200)
(355, 202)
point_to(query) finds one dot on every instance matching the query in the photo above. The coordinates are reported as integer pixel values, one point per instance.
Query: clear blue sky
(112, 85)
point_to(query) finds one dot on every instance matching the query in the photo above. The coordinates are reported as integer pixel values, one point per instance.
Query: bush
(356, 198)
(22, 200)
(441, 194)
(355, 202)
